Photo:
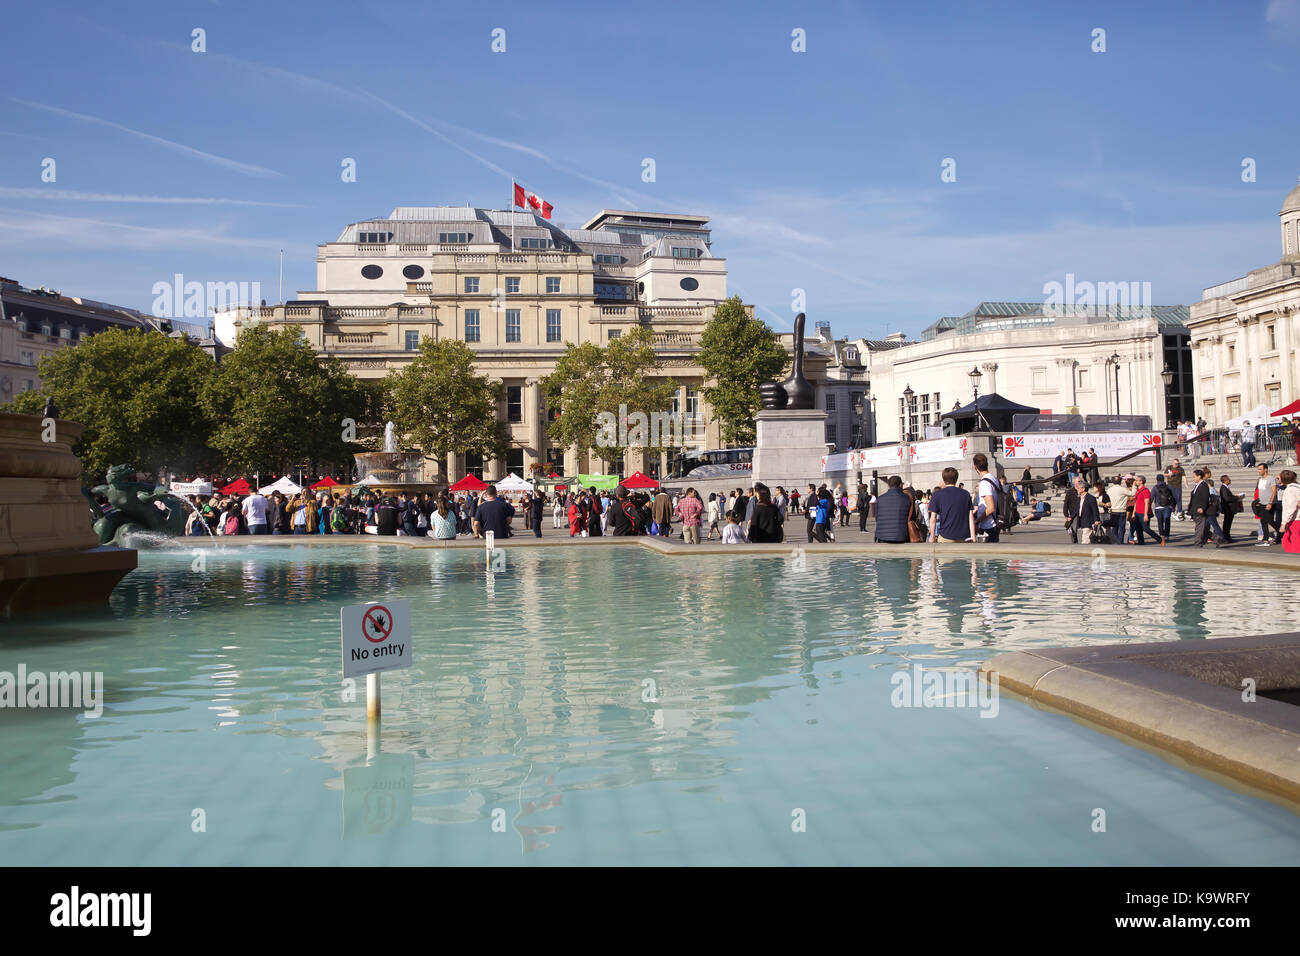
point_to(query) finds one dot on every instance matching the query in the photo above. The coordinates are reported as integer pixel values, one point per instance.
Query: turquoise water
(608, 705)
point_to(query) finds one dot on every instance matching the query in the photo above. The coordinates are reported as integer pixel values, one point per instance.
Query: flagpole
(512, 215)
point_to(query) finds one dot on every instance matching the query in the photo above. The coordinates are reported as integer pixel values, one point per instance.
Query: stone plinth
(789, 447)
(49, 557)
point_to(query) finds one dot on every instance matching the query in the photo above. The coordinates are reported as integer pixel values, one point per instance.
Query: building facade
(36, 322)
(1244, 333)
(845, 390)
(516, 288)
(1096, 360)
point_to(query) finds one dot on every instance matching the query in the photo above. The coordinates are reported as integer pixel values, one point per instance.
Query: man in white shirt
(1121, 496)
(1248, 445)
(254, 508)
(986, 502)
(1270, 509)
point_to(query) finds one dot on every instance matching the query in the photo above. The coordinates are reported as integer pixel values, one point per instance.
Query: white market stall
(282, 485)
(512, 483)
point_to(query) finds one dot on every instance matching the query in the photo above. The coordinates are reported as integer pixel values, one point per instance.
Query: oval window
(689, 284)
(413, 272)
(372, 271)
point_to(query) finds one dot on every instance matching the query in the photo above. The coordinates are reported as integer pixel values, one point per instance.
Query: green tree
(738, 353)
(274, 404)
(441, 405)
(590, 382)
(630, 381)
(573, 395)
(136, 393)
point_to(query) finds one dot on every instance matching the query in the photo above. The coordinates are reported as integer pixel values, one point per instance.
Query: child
(731, 533)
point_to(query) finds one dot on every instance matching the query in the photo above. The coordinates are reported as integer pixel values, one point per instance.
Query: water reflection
(567, 671)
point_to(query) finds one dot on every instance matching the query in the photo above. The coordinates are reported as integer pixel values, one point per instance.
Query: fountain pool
(608, 705)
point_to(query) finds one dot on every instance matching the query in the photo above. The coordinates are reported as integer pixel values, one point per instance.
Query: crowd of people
(1121, 509)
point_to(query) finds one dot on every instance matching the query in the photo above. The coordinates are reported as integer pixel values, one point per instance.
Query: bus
(713, 463)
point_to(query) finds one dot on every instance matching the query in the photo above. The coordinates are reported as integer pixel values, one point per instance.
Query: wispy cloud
(248, 169)
(74, 195)
(1283, 13)
(22, 228)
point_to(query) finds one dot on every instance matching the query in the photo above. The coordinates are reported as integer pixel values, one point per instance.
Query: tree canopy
(273, 404)
(589, 381)
(738, 353)
(441, 405)
(138, 395)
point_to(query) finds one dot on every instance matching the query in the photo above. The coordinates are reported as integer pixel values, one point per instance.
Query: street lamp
(1114, 359)
(908, 395)
(975, 375)
(1167, 376)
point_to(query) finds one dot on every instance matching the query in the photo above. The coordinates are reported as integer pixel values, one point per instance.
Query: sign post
(376, 637)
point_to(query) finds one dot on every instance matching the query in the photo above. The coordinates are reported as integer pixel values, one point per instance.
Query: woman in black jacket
(766, 525)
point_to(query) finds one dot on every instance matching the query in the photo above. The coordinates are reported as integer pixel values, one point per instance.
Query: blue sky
(820, 170)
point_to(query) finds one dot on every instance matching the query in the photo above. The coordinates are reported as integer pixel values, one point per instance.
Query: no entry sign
(376, 637)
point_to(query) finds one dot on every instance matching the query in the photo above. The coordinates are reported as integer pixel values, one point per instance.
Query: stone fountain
(49, 557)
(391, 469)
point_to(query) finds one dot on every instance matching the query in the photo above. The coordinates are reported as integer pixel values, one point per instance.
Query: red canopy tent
(1292, 409)
(240, 487)
(326, 482)
(636, 481)
(468, 483)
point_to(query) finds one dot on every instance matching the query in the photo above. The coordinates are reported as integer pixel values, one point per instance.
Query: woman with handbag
(1290, 512)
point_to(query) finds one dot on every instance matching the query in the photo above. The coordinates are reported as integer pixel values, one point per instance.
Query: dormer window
(686, 252)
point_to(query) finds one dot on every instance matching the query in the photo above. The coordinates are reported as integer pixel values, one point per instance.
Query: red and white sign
(376, 637)
(1050, 444)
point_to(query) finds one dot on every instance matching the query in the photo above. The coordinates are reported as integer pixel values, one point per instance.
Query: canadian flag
(526, 200)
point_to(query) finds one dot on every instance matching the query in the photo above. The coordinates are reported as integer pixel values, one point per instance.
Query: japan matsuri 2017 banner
(1051, 444)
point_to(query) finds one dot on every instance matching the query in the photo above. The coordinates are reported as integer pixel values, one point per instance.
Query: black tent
(995, 410)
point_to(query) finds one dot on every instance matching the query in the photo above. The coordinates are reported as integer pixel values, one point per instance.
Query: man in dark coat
(892, 509)
(1073, 498)
(1198, 506)
(623, 517)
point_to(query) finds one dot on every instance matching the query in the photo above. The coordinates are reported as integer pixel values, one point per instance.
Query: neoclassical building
(516, 288)
(1245, 333)
(1073, 360)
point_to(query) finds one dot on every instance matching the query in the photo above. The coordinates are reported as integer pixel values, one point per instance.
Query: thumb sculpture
(796, 391)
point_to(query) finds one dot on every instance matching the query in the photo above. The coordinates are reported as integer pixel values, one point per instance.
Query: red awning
(468, 483)
(240, 487)
(325, 482)
(637, 480)
(1292, 409)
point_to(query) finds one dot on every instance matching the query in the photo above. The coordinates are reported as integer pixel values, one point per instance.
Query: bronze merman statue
(136, 506)
(796, 391)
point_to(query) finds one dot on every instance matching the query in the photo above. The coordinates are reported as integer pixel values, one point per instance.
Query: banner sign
(832, 464)
(1051, 444)
(943, 449)
(880, 457)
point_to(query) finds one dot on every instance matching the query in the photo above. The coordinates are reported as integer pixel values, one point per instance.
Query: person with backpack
(1229, 506)
(1163, 502)
(624, 517)
(233, 522)
(989, 507)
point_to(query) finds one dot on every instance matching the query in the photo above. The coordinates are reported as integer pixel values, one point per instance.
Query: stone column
(533, 418)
